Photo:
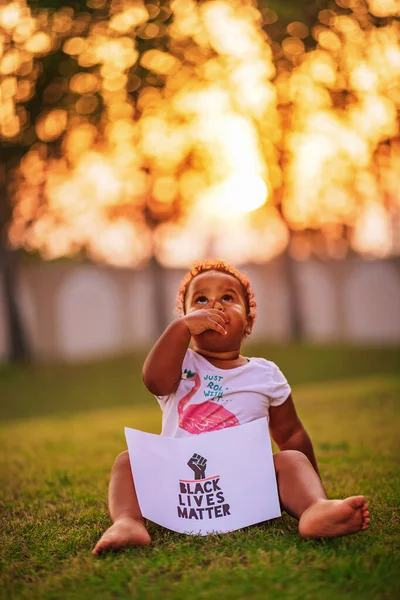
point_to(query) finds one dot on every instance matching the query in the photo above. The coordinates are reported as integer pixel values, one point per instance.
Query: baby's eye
(201, 300)
(227, 297)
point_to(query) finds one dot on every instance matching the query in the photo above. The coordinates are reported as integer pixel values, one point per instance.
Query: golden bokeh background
(179, 129)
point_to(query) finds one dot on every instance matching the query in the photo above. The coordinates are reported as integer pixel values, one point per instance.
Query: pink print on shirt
(207, 416)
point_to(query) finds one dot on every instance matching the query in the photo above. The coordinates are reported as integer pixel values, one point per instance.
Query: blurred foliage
(290, 10)
(138, 119)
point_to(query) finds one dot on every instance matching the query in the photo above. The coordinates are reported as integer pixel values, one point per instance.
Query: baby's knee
(287, 458)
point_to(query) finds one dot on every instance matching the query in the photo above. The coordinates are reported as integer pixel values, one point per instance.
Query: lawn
(63, 426)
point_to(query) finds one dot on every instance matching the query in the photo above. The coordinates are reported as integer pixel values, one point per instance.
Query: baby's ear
(249, 326)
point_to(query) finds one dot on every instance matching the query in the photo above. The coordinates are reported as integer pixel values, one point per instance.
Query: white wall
(76, 312)
(87, 316)
(319, 302)
(372, 302)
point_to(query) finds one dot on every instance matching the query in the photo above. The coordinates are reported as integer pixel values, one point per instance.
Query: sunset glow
(241, 193)
(228, 138)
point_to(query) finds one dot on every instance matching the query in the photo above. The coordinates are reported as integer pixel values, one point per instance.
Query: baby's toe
(104, 544)
(98, 549)
(365, 521)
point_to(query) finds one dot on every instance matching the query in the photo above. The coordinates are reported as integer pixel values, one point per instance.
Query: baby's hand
(206, 319)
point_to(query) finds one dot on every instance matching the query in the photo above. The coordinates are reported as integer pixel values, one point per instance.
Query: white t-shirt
(208, 398)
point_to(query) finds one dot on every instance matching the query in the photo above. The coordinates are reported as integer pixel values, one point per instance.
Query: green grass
(62, 389)
(63, 426)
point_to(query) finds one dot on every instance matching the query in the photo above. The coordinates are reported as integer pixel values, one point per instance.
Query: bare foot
(124, 532)
(332, 518)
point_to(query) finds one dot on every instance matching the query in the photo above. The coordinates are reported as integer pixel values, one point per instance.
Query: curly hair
(215, 264)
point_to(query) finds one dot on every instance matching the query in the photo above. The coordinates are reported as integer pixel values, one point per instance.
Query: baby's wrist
(182, 326)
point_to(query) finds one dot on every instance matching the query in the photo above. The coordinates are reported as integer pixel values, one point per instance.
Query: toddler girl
(217, 312)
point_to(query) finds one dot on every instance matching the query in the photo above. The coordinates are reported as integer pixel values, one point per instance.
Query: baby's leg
(302, 495)
(128, 524)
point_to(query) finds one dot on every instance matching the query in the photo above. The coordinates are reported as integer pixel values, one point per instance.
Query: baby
(217, 309)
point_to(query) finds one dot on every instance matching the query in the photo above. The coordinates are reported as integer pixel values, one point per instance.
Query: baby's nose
(214, 303)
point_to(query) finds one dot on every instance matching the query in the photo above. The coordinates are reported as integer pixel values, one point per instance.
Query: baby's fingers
(217, 327)
(219, 315)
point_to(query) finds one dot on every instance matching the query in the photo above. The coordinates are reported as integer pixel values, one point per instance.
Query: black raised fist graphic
(198, 465)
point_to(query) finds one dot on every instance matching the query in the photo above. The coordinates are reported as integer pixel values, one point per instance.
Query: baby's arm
(163, 365)
(288, 431)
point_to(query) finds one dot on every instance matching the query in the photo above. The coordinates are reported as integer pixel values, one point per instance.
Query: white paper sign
(210, 483)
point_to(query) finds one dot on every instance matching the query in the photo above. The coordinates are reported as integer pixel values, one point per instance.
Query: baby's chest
(237, 397)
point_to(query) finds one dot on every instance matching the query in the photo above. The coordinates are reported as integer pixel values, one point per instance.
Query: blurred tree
(287, 12)
(109, 135)
(18, 345)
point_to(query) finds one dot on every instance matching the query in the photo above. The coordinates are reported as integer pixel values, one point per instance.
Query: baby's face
(214, 289)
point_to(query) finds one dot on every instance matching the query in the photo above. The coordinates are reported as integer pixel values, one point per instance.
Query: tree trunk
(159, 296)
(294, 299)
(18, 344)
